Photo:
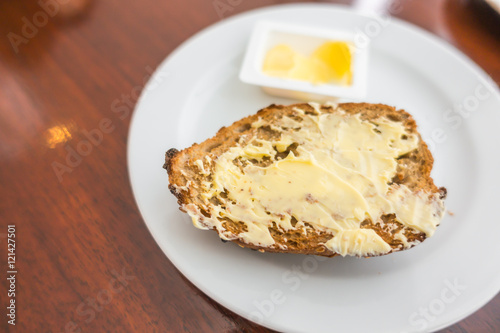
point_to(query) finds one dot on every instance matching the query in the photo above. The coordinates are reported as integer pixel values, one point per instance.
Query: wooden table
(85, 259)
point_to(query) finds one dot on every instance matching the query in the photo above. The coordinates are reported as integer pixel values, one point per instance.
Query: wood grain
(86, 260)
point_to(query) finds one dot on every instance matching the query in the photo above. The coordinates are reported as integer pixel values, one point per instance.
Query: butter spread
(359, 242)
(336, 177)
(331, 62)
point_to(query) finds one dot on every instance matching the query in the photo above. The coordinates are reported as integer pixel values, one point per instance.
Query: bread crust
(413, 170)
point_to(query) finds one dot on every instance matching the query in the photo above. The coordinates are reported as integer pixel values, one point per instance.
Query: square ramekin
(303, 39)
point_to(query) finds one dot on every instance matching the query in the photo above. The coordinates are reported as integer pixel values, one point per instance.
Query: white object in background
(378, 7)
(495, 4)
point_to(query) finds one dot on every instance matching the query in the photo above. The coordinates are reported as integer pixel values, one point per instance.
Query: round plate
(196, 90)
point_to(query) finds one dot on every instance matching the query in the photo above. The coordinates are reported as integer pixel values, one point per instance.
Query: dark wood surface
(77, 233)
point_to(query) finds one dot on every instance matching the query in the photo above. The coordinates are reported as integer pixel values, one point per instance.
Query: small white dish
(303, 39)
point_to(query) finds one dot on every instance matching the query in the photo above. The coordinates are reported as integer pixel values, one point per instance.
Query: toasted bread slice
(350, 179)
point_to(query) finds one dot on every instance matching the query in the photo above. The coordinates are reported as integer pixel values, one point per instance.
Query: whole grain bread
(185, 179)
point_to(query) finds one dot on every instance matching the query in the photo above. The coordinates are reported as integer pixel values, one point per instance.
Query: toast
(350, 179)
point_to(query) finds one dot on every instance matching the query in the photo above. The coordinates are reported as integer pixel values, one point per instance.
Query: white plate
(195, 91)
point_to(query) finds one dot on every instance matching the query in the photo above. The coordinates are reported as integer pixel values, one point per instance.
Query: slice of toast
(349, 179)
